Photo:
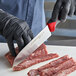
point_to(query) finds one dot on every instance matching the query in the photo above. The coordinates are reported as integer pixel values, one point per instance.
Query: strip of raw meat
(10, 58)
(66, 71)
(41, 51)
(55, 62)
(28, 63)
(53, 70)
(35, 72)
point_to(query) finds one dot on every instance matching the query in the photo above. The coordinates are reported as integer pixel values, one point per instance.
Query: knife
(35, 43)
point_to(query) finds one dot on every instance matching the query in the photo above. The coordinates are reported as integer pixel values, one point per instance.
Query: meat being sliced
(55, 69)
(65, 72)
(38, 56)
(40, 51)
(30, 62)
(35, 72)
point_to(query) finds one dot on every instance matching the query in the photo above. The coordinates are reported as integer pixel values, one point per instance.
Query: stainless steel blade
(32, 46)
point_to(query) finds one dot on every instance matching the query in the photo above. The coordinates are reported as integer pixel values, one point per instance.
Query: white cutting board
(6, 70)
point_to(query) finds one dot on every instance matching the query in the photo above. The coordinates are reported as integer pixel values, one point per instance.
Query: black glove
(62, 9)
(16, 29)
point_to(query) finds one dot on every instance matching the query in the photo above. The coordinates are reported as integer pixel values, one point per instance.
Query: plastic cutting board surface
(6, 70)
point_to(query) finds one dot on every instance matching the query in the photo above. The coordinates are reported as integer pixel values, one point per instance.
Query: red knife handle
(52, 26)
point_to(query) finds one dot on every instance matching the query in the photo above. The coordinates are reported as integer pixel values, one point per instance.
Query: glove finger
(64, 12)
(11, 47)
(72, 9)
(56, 9)
(26, 38)
(20, 43)
(30, 34)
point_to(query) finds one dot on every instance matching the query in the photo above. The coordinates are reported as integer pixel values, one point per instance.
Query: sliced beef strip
(35, 72)
(66, 71)
(55, 62)
(55, 69)
(28, 63)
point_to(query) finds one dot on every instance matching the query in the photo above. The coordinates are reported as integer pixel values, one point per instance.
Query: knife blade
(35, 43)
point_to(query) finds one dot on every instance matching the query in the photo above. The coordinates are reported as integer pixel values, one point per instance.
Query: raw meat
(35, 72)
(37, 53)
(55, 62)
(41, 51)
(38, 56)
(55, 69)
(10, 58)
(66, 71)
(30, 62)
(59, 67)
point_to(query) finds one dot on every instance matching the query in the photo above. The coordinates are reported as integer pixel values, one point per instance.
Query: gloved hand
(62, 9)
(16, 29)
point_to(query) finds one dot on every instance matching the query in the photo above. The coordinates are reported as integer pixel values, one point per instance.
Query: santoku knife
(35, 43)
